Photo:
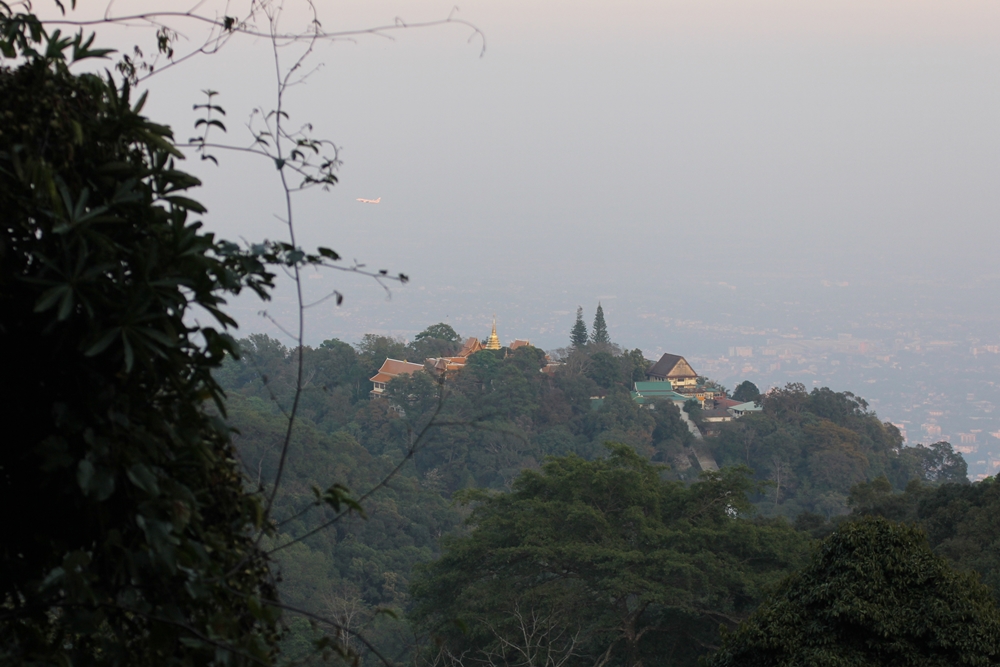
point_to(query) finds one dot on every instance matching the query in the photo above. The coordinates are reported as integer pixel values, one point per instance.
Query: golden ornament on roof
(493, 342)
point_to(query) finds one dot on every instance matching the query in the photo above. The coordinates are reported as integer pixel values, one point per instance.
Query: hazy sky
(637, 152)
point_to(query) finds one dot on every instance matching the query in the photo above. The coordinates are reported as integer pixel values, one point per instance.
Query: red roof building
(391, 368)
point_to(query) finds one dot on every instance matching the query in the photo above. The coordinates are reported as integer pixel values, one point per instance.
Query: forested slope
(812, 447)
(472, 437)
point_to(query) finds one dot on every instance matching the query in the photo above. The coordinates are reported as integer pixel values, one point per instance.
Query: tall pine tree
(578, 334)
(599, 334)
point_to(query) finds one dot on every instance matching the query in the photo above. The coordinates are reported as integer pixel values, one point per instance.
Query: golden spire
(493, 342)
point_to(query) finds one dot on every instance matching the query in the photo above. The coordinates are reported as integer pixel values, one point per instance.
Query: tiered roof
(472, 345)
(442, 364)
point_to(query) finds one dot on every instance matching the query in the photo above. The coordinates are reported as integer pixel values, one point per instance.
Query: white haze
(641, 153)
(718, 173)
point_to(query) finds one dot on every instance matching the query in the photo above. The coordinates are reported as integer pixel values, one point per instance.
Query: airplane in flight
(369, 201)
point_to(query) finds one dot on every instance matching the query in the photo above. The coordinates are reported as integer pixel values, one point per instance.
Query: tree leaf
(143, 477)
(103, 342)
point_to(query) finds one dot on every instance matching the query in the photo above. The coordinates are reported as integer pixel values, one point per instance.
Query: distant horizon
(715, 172)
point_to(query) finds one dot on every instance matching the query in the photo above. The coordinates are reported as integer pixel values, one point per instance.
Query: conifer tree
(599, 334)
(578, 334)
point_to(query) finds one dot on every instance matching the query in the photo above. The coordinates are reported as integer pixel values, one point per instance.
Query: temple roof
(653, 387)
(472, 345)
(393, 367)
(441, 364)
(672, 367)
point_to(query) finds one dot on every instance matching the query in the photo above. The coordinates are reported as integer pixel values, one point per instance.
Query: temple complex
(443, 364)
(438, 365)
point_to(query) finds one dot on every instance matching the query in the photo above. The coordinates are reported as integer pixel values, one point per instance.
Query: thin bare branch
(244, 28)
(411, 451)
(333, 624)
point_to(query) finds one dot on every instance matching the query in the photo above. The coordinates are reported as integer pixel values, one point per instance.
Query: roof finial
(493, 342)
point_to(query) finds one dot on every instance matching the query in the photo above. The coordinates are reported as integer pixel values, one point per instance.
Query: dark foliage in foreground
(128, 537)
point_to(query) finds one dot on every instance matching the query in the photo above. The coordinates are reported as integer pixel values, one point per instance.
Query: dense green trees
(814, 446)
(602, 562)
(355, 566)
(873, 595)
(502, 417)
(960, 519)
(130, 539)
(504, 414)
(635, 366)
(937, 463)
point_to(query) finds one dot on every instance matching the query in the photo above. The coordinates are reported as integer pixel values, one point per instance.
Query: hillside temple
(671, 378)
(393, 367)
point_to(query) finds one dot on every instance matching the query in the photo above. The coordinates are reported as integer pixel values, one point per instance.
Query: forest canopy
(525, 450)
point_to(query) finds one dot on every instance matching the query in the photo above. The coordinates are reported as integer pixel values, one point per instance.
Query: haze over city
(719, 175)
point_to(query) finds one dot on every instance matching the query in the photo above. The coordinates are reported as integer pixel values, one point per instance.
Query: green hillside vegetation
(873, 595)
(587, 562)
(960, 519)
(505, 414)
(511, 474)
(812, 447)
